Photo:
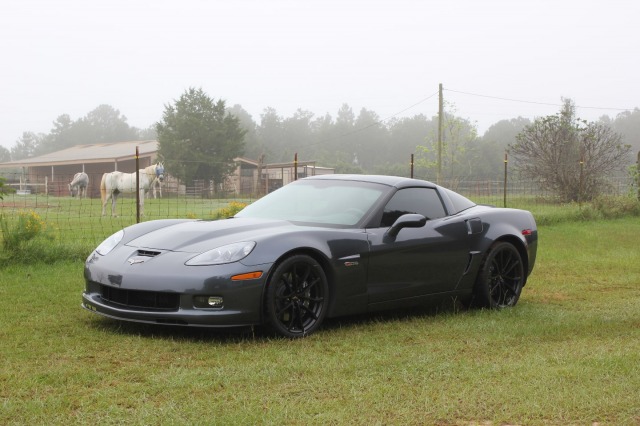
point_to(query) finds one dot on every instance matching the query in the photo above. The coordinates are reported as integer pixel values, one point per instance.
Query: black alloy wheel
(501, 278)
(297, 297)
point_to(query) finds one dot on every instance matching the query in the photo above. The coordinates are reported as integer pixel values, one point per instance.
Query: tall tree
(271, 134)
(102, 125)
(296, 134)
(5, 155)
(340, 146)
(459, 141)
(322, 130)
(406, 134)
(489, 157)
(106, 124)
(198, 138)
(370, 140)
(569, 156)
(26, 146)
(64, 134)
(147, 134)
(628, 124)
(252, 149)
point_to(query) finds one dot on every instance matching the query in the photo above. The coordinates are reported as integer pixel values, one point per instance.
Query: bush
(615, 207)
(3, 189)
(601, 207)
(28, 226)
(29, 239)
(231, 209)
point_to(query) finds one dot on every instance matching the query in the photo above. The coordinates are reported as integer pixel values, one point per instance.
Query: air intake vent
(148, 253)
(135, 299)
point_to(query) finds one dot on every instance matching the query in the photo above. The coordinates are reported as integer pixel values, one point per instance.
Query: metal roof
(90, 153)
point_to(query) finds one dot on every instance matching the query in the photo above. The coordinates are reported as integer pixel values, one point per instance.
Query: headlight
(225, 254)
(107, 245)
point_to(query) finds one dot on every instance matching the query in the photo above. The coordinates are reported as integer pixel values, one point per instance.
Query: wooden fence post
(411, 166)
(505, 179)
(138, 186)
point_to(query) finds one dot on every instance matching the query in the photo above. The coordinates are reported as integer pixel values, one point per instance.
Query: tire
(297, 297)
(501, 278)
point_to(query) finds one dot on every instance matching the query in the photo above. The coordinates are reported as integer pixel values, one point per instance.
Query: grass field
(569, 353)
(79, 221)
(71, 219)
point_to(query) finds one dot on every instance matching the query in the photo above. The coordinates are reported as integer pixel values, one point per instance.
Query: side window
(424, 201)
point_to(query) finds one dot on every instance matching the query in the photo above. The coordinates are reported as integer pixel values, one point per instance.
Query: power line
(534, 102)
(372, 124)
(391, 116)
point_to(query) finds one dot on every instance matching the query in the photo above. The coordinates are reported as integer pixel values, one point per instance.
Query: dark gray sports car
(319, 247)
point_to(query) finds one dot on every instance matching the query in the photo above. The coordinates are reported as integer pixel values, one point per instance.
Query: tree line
(199, 135)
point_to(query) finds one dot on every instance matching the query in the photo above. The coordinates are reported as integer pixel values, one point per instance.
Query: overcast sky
(497, 59)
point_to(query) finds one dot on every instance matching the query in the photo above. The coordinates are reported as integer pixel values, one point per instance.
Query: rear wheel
(297, 297)
(501, 278)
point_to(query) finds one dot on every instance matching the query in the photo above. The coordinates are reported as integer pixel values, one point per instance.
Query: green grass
(74, 227)
(569, 353)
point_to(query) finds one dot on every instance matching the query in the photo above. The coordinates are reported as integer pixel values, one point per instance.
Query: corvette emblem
(133, 261)
(350, 260)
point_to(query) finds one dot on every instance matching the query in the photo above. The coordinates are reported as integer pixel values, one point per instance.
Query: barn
(51, 173)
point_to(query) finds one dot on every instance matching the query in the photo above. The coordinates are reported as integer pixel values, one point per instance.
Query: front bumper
(162, 290)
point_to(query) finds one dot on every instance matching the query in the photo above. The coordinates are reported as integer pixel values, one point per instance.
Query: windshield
(332, 202)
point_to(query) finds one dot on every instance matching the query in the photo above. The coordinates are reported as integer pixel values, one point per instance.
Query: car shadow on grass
(232, 335)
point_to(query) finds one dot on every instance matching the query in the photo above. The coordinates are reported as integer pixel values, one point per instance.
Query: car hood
(199, 236)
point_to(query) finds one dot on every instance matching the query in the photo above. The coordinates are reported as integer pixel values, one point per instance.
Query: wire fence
(68, 216)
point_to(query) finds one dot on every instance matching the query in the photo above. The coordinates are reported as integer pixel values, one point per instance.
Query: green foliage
(345, 167)
(27, 226)
(458, 153)
(634, 174)
(5, 155)
(27, 238)
(230, 210)
(198, 138)
(26, 146)
(599, 208)
(3, 189)
(378, 143)
(103, 124)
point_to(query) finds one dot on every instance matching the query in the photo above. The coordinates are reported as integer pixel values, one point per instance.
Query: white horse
(79, 184)
(157, 182)
(114, 183)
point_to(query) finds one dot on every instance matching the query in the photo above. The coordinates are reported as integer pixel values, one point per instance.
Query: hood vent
(148, 253)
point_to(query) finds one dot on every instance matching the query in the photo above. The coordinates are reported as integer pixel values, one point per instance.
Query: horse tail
(103, 188)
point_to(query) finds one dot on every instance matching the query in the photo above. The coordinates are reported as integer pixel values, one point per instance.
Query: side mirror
(406, 221)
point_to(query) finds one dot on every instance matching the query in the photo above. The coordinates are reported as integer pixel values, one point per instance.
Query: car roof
(396, 181)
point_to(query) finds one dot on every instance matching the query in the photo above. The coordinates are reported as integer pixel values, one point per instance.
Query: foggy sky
(496, 59)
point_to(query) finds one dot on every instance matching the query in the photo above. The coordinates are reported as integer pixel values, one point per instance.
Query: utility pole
(638, 174)
(440, 120)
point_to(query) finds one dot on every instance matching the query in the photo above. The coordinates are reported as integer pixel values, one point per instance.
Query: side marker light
(247, 276)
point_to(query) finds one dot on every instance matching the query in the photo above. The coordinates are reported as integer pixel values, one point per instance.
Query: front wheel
(297, 297)
(501, 278)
